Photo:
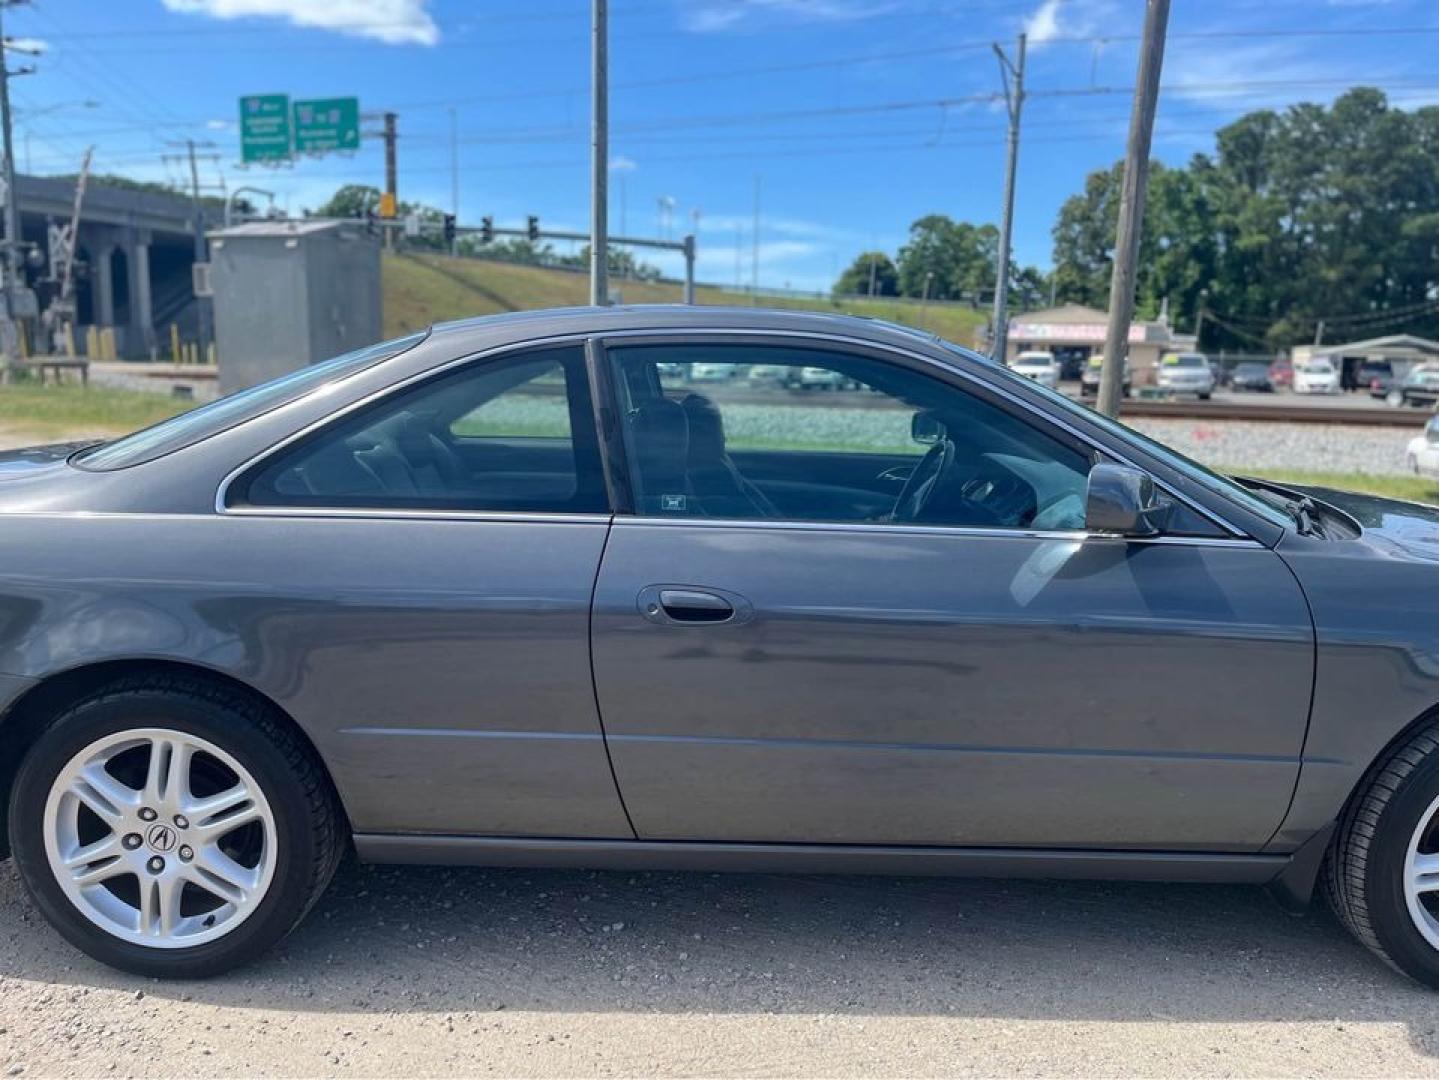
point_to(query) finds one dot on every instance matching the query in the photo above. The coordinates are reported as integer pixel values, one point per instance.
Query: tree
(1311, 214)
(352, 200)
(856, 280)
(955, 258)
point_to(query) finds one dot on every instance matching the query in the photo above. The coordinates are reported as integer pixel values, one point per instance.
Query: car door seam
(595, 683)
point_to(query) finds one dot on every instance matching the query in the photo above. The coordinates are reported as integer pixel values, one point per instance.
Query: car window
(771, 432)
(217, 416)
(507, 434)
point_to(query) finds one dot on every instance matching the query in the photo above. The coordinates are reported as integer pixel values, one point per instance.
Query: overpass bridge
(138, 247)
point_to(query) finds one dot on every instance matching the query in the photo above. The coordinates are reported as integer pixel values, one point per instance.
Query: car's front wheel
(1382, 873)
(171, 827)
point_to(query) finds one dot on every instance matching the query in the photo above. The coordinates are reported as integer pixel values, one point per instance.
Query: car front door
(873, 616)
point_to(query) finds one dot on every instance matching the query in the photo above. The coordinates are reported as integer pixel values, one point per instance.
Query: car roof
(679, 317)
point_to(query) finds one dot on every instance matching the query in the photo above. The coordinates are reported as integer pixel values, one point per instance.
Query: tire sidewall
(289, 892)
(1390, 920)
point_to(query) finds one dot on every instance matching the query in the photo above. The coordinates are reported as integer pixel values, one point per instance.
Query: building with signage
(1074, 333)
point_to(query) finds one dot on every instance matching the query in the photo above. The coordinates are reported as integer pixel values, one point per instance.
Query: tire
(1204, 397)
(296, 811)
(1365, 869)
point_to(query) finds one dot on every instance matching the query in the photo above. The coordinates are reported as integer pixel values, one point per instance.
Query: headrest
(706, 425)
(659, 435)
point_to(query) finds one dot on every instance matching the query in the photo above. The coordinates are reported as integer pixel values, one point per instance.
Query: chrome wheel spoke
(167, 783)
(224, 812)
(97, 862)
(102, 794)
(217, 873)
(1424, 874)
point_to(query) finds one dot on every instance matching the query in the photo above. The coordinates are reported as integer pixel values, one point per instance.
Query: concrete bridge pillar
(104, 279)
(141, 309)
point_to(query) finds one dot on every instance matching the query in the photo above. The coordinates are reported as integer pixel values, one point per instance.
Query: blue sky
(857, 116)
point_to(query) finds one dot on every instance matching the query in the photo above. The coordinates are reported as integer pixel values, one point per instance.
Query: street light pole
(599, 157)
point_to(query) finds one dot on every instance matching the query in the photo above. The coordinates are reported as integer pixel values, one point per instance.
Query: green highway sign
(265, 127)
(327, 124)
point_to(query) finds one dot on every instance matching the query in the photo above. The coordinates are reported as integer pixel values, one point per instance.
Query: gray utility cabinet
(291, 293)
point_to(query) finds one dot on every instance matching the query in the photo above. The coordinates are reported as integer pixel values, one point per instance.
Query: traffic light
(487, 230)
(449, 230)
(532, 228)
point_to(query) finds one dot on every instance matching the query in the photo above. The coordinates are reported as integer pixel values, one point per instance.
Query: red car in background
(1281, 375)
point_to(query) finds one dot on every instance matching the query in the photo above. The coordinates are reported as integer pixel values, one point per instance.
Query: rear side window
(513, 434)
(207, 420)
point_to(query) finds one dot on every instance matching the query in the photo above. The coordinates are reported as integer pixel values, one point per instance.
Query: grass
(30, 412)
(421, 289)
(1421, 489)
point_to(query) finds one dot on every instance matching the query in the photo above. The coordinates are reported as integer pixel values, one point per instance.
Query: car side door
(413, 578)
(969, 667)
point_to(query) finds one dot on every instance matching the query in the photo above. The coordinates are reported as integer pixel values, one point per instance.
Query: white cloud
(1251, 75)
(1067, 18)
(395, 22)
(620, 163)
(710, 16)
(29, 45)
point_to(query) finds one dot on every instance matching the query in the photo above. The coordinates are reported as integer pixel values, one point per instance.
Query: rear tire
(127, 912)
(1375, 876)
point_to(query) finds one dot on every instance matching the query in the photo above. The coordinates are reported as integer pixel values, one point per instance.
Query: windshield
(1184, 361)
(1318, 369)
(1215, 482)
(197, 424)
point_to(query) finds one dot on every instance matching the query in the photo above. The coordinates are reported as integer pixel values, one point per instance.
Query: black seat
(659, 440)
(719, 487)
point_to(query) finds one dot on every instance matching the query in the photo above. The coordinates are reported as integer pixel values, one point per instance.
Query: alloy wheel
(160, 838)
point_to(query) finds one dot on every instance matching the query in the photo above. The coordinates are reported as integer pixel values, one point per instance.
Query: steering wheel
(928, 475)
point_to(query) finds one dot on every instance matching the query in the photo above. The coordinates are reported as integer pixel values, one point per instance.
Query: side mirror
(1123, 501)
(925, 428)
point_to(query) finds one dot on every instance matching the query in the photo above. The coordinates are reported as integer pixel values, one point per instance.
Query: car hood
(1402, 528)
(31, 461)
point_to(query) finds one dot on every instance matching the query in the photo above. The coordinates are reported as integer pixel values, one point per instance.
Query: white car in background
(1042, 367)
(1318, 376)
(1186, 373)
(1422, 454)
(712, 372)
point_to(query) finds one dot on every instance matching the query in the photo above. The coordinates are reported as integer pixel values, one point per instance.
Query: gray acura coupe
(521, 591)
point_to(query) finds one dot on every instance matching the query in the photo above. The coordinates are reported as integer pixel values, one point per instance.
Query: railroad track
(1406, 417)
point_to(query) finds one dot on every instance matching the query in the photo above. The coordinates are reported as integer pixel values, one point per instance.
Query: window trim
(1000, 397)
(257, 462)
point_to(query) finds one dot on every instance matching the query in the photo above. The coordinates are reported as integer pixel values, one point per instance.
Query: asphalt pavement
(437, 972)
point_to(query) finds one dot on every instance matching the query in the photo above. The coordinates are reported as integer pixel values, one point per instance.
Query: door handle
(695, 606)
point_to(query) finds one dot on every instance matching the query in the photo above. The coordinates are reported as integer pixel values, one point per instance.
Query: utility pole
(202, 314)
(873, 261)
(10, 330)
(1011, 77)
(1131, 206)
(454, 177)
(599, 156)
(392, 173)
(1319, 333)
(1199, 320)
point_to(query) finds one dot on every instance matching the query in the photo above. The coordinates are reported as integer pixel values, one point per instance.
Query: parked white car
(712, 372)
(1318, 376)
(1422, 454)
(1042, 367)
(1186, 373)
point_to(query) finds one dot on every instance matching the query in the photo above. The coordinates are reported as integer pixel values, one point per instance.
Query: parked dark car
(1420, 387)
(499, 594)
(1377, 377)
(1250, 376)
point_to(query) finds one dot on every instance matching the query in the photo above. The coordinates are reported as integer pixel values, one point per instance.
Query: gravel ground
(1311, 447)
(431, 972)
